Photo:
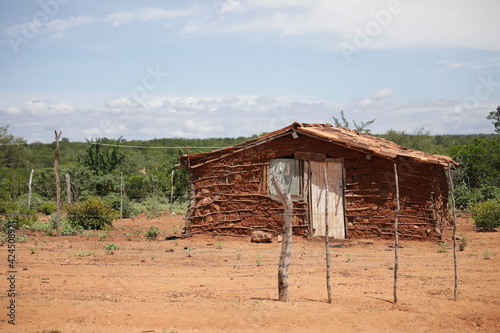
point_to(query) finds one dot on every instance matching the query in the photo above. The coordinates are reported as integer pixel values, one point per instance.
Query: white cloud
(196, 117)
(451, 64)
(230, 99)
(55, 27)
(144, 15)
(38, 107)
(383, 94)
(424, 23)
(268, 99)
(123, 104)
(12, 110)
(63, 108)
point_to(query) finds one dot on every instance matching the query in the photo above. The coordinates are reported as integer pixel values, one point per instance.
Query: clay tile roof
(337, 135)
(365, 142)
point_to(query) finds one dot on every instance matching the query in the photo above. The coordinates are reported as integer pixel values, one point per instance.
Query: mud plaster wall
(231, 196)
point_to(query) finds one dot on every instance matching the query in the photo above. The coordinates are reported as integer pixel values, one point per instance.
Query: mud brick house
(230, 191)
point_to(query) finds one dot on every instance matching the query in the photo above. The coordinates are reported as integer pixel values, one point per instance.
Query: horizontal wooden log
(417, 217)
(310, 156)
(360, 209)
(361, 190)
(365, 215)
(362, 196)
(213, 185)
(245, 228)
(230, 166)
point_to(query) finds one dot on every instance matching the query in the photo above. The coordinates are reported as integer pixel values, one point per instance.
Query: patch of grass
(238, 254)
(171, 330)
(487, 254)
(103, 235)
(84, 254)
(152, 233)
(258, 261)
(32, 250)
(111, 248)
(462, 242)
(175, 230)
(442, 247)
(21, 238)
(302, 252)
(218, 245)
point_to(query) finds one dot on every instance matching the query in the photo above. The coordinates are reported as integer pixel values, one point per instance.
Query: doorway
(319, 197)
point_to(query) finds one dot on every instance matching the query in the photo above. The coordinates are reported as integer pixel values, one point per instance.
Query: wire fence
(195, 268)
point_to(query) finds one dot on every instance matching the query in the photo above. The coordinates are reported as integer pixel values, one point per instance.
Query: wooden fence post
(122, 190)
(172, 191)
(327, 240)
(29, 188)
(286, 245)
(58, 184)
(68, 189)
(454, 217)
(396, 236)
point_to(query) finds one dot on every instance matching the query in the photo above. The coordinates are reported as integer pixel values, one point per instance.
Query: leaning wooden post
(29, 188)
(286, 245)
(454, 217)
(327, 241)
(396, 235)
(58, 184)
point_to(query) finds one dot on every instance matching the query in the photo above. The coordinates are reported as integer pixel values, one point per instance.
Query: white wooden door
(318, 198)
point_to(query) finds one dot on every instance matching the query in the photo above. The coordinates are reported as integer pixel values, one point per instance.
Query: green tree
(13, 152)
(495, 116)
(103, 158)
(480, 162)
(360, 128)
(419, 140)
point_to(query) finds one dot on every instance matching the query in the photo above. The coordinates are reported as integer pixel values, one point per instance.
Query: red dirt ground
(227, 284)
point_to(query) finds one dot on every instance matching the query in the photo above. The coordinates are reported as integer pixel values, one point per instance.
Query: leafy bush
(47, 208)
(465, 196)
(486, 214)
(35, 203)
(94, 213)
(41, 226)
(128, 209)
(110, 248)
(20, 215)
(155, 206)
(152, 233)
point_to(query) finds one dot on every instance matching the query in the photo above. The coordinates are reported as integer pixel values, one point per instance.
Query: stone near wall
(261, 237)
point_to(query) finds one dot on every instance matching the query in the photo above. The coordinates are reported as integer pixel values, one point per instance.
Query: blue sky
(229, 68)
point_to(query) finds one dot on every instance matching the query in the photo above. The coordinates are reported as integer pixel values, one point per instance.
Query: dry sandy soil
(227, 284)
